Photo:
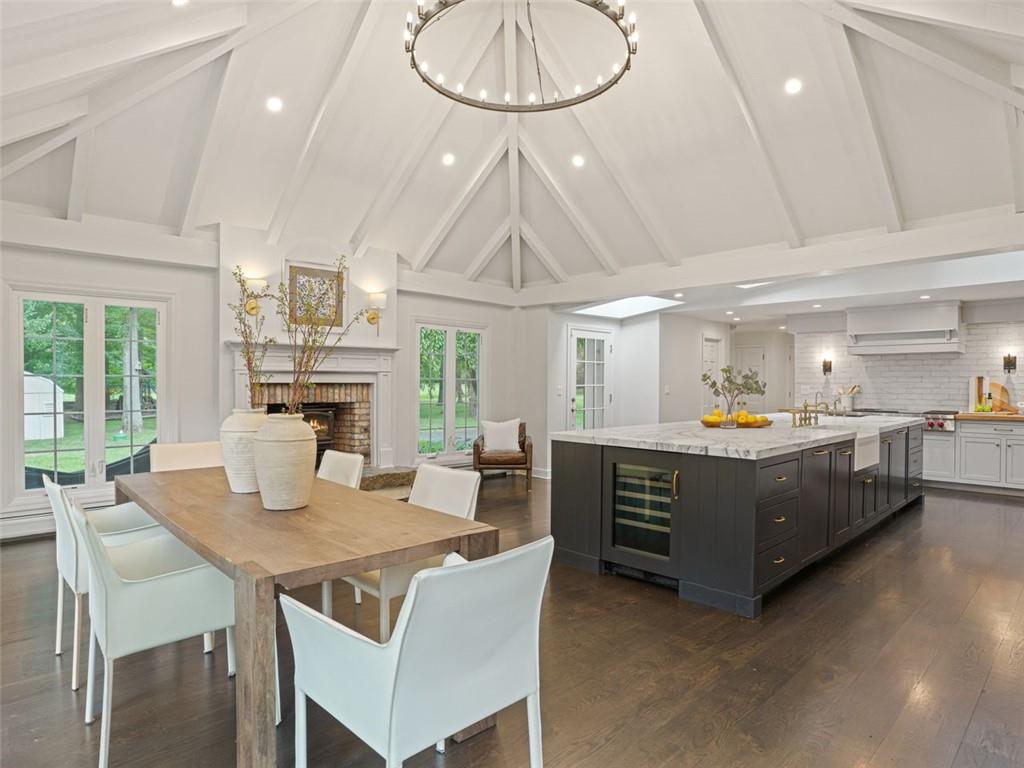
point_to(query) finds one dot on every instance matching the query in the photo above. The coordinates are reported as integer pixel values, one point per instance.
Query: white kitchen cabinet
(981, 459)
(1014, 452)
(939, 456)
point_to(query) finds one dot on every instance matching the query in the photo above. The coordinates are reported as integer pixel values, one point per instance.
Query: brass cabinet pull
(675, 484)
(779, 519)
(868, 480)
(779, 560)
(846, 453)
(820, 453)
(916, 485)
(781, 479)
(887, 441)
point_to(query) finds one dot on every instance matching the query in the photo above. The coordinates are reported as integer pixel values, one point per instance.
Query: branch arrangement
(250, 331)
(733, 384)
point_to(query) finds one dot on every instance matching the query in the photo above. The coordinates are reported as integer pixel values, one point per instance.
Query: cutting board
(980, 386)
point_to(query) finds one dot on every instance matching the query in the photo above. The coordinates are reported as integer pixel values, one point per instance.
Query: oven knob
(942, 424)
(932, 424)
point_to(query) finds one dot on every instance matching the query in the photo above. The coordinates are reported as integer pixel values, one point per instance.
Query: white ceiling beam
(383, 202)
(1017, 75)
(60, 67)
(489, 251)
(610, 152)
(575, 215)
(977, 15)
(453, 286)
(994, 234)
(1015, 136)
(350, 54)
(107, 238)
(213, 143)
(79, 177)
(787, 218)
(37, 121)
(547, 258)
(495, 152)
(861, 23)
(867, 125)
(508, 23)
(101, 116)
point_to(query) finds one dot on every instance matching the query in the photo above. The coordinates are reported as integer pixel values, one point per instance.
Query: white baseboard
(542, 473)
(26, 525)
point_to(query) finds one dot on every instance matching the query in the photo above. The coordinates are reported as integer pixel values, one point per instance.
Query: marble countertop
(778, 439)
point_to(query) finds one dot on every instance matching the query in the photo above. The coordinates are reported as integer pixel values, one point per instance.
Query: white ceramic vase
(285, 452)
(846, 402)
(236, 444)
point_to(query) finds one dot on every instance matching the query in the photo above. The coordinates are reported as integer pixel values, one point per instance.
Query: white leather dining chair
(453, 491)
(465, 646)
(166, 457)
(120, 524)
(344, 469)
(145, 594)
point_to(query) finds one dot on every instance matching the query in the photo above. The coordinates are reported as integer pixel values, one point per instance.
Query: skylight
(748, 286)
(623, 308)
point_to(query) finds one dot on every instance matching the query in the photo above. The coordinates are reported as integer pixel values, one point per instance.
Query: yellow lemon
(741, 418)
(762, 419)
(717, 413)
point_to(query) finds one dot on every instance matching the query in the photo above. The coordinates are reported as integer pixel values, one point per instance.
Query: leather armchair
(506, 460)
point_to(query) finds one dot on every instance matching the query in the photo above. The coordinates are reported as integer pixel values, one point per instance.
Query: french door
(92, 370)
(448, 390)
(590, 382)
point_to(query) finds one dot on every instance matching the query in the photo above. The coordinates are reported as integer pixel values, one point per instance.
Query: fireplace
(340, 415)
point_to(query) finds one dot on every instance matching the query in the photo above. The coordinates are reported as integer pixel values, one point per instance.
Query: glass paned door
(433, 343)
(590, 380)
(467, 389)
(448, 390)
(53, 391)
(643, 509)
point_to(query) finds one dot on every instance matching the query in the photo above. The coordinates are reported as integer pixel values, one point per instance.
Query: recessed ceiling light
(678, 295)
(793, 86)
(274, 104)
(782, 327)
(634, 305)
(926, 296)
(736, 319)
(179, 3)
(448, 158)
(578, 161)
(728, 311)
(815, 306)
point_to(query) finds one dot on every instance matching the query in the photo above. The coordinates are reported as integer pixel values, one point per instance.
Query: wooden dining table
(341, 532)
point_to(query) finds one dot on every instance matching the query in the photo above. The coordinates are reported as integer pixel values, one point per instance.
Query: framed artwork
(317, 290)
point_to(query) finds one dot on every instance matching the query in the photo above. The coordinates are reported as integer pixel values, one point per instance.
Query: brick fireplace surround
(353, 409)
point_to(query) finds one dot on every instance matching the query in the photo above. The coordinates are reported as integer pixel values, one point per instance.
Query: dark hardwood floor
(906, 649)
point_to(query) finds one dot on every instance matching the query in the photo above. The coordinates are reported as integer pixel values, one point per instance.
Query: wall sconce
(1009, 363)
(826, 367)
(376, 303)
(255, 285)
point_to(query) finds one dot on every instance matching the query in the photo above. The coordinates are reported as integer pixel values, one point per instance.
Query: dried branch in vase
(249, 327)
(309, 312)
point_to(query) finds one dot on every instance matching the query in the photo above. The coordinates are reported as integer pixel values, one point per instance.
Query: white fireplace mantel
(344, 365)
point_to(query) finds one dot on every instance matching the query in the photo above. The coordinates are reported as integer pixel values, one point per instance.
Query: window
(449, 390)
(90, 369)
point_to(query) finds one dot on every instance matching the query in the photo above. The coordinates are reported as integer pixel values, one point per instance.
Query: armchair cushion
(502, 458)
(501, 435)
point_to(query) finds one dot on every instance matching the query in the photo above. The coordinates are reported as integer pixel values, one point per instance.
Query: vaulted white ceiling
(911, 116)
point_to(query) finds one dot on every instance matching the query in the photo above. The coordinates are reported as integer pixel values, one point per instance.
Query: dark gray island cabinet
(721, 530)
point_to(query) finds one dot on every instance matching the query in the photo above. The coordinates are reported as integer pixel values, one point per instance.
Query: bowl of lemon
(746, 420)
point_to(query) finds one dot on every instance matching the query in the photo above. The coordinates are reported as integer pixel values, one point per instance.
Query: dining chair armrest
(346, 673)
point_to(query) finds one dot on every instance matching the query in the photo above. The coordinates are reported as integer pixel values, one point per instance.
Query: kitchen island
(726, 515)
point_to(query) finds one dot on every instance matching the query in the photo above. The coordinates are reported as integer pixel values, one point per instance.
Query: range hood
(918, 329)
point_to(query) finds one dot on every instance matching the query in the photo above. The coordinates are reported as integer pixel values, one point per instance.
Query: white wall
(681, 352)
(777, 370)
(530, 333)
(636, 372)
(912, 382)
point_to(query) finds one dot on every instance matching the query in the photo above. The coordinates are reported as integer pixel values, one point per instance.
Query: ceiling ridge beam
(348, 59)
(858, 21)
(1015, 134)
(383, 202)
(986, 17)
(489, 251)
(212, 143)
(101, 116)
(79, 177)
(787, 218)
(508, 25)
(37, 121)
(497, 150)
(576, 217)
(543, 253)
(607, 147)
(867, 124)
(69, 64)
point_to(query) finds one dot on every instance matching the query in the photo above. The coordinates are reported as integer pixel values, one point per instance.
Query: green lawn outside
(431, 437)
(118, 446)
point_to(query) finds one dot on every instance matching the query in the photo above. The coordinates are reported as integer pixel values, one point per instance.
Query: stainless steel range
(943, 420)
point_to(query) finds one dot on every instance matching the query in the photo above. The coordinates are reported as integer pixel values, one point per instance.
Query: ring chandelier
(425, 17)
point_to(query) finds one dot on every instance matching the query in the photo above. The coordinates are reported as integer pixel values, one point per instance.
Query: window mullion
(449, 391)
(94, 394)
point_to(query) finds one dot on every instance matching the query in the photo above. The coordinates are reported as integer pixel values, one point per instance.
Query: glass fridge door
(642, 509)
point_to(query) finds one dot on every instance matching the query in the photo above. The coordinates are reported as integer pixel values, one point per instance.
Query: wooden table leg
(255, 639)
(474, 547)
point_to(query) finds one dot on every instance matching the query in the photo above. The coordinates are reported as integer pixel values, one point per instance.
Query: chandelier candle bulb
(460, 88)
(483, 95)
(531, 98)
(508, 97)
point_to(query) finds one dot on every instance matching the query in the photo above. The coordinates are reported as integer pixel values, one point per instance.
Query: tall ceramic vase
(236, 444)
(285, 452)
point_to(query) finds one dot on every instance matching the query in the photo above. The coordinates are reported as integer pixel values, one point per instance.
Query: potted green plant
(285, 446)
(238, 430)
(733, 385)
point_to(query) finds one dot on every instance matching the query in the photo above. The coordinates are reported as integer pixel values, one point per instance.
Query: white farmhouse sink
(865, 446)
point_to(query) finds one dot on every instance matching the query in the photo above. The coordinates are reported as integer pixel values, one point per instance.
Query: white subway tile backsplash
(911, 382)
